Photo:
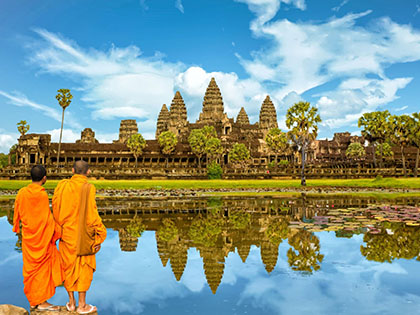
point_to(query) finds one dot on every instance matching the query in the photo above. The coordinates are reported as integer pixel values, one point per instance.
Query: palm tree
(302, 119)
(64, 99)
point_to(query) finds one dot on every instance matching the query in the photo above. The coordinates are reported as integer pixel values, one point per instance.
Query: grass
(407, 183)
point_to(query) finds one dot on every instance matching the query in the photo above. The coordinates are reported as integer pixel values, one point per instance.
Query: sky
(124, 59)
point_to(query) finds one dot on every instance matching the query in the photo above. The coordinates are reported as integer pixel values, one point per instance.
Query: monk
(78, 270)
(41, 261)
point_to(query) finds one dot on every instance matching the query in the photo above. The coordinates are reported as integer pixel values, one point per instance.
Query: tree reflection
(395, 240)
(305, 254)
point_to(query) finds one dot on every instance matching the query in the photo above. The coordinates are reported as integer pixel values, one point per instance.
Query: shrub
(214, 171)
(283, 163)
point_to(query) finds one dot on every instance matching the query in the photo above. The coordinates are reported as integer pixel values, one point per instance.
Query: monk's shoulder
(62, 183)
(22, 192)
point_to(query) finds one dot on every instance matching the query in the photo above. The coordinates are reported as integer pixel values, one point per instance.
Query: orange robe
(78, 270)
(41, 260)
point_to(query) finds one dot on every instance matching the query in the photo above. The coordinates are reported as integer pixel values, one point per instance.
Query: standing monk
(41, 260)
(78, 270)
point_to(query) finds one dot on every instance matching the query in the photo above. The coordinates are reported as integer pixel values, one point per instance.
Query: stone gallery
(326, 158)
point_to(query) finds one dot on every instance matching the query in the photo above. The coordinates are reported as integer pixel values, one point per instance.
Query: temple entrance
(32, 158)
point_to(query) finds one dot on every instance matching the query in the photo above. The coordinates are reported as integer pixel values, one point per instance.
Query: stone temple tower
(163, 121)
(242, 117)
(178, 122)
(213, 109)
(128, 127)
(268, 115)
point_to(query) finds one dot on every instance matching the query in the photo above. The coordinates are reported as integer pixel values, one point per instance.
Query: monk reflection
(70, 197)
(41, 262)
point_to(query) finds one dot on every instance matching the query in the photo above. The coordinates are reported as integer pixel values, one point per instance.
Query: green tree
(239, 154)
(167, 141)
(305, 254)
(4, 160)
(302, 119)
(197, 140)
(136, 144)
(136, 227)
(12, 153)
(214, 170)
(401, 128)
(277, 141)
(375, 130)
(64, 98)
(209, 132)
(415, 139)
(213, 148)
(23, 127)
(167, 230)
(385, 149)
(355, 150)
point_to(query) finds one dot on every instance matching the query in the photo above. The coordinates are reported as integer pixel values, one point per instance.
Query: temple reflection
(216, 227)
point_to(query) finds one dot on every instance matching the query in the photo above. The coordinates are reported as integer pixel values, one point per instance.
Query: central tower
(213, 109)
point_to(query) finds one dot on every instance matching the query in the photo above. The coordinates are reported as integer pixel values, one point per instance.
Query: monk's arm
(94, 219)
(16, 215)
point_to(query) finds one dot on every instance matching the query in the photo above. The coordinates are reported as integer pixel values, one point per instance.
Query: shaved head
(81, 167)
(38, 172)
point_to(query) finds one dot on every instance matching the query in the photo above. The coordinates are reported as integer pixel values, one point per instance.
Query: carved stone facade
(114, 160)
(128, 127)
(87, 136)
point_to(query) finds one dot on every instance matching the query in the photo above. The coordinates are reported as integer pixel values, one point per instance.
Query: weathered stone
(213, 109)
(128, 127)
(62, 311)
(268, 115)
(163, 121)
(242, 117)
(87, 136)
(7, 309)
(178, 116)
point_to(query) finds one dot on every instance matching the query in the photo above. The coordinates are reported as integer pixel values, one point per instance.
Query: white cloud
(7, 140)
(68, 135)
(179, 6)
(236, 92)
(116, 83)
(305, 55)
(19, 99)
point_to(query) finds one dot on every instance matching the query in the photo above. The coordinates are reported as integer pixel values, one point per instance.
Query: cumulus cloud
(68, 135)
(297, 58)
(7, 140)
(305, 55)
(117, 83)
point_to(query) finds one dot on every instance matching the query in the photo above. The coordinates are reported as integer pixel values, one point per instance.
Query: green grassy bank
(409, 183)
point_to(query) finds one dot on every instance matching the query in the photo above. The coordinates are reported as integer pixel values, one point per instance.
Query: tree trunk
(417, 162)
(374, 155)
(136, 160)
(61, 135)
(382, 156)
(403, 161)
(302, 178)
(199, 161)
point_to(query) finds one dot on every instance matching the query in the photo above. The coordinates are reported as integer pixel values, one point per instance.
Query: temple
(115, 160)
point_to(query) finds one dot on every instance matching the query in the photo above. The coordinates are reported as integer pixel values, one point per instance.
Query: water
(232, 255)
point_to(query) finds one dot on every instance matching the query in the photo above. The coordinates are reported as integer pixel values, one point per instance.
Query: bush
(214, 171)
(283, 163)
(272, 164)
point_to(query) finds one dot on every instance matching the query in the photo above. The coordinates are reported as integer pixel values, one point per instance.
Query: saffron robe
(78, 270)
(41, 261)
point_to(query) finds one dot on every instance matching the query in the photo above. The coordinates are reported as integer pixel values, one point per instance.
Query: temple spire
(178, 116)
(213, 109)
(268, 115)
(163, 121)
(242, 117)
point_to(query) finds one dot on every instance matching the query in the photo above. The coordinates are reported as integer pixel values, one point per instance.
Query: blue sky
(124, 59)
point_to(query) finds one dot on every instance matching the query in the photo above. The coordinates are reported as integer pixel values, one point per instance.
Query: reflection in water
(216, 227)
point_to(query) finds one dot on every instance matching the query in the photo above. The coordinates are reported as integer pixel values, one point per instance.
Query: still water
(230, 255)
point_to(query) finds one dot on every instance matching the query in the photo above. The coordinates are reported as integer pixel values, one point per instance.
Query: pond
(245, 255)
